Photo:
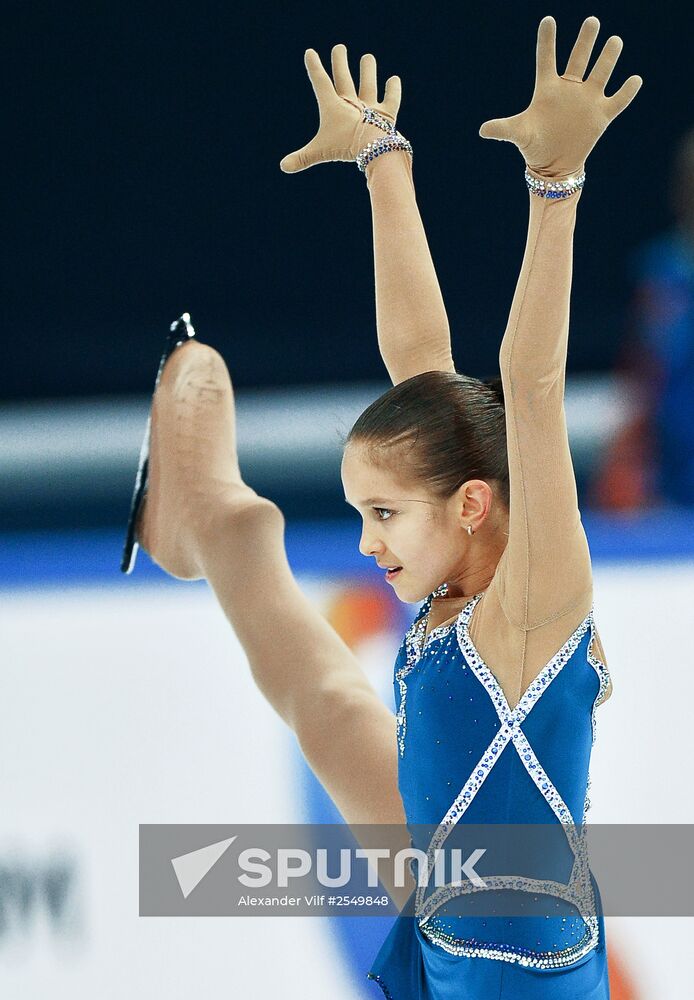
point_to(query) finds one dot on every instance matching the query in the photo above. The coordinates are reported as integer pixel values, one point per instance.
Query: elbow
(532, 374)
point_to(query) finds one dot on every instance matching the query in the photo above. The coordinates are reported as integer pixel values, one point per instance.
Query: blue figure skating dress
(466, 758)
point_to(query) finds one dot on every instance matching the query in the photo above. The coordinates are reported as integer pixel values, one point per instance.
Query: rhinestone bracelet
(373, 118)
(384, 145)
(554, 189)
(392, 140)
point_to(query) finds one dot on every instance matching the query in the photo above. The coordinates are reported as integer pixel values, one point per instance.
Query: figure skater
(469, 504)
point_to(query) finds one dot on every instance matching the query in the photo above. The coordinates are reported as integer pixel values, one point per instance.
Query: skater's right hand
(341, 132)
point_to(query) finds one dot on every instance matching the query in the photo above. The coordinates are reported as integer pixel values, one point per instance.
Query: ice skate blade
(180, 332)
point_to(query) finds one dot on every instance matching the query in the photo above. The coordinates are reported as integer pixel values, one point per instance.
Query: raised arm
(545, 569)
(413, 331)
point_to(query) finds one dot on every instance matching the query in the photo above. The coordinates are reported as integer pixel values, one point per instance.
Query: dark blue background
(143, 143)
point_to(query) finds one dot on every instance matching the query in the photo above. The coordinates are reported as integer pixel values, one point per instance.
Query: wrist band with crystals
(545, 188)
(379, 146)
(392, 140)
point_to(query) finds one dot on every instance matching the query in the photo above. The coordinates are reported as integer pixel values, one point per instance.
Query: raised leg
(201, 520)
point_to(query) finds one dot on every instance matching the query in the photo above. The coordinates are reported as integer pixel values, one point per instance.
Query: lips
(391, 573)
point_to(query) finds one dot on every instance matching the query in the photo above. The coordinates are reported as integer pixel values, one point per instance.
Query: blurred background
(142, 145)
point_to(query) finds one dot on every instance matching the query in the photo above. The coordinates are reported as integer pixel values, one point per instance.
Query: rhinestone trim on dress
(386, 992)
(411, 646)
(471, 948)
(602, 672)
(604, 678)
(578, 891)
(414, 644)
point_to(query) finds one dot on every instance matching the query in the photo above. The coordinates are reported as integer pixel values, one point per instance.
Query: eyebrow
(370, 500)
(381, 502)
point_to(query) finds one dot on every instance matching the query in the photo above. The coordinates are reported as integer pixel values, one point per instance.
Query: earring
(470, 531)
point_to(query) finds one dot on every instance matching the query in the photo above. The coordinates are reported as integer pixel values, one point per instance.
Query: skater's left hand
(341, 132)
(567, 114)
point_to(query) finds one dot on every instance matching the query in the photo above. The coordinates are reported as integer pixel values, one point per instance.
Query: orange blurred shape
(360, 611)
(621, 984)
(623, 480)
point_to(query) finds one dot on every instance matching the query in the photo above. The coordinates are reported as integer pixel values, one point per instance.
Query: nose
(368, 545)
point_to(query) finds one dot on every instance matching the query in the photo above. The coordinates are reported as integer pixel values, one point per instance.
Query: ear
(475, 499)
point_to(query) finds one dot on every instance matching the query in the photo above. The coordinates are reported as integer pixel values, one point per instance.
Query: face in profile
(403, 525)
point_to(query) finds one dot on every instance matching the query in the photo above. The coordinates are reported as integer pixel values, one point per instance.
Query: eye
(384, 510)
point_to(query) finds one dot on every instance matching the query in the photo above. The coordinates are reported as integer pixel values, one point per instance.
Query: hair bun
(497, 387)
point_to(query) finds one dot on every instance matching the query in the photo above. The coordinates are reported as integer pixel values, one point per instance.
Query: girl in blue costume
(469, 502)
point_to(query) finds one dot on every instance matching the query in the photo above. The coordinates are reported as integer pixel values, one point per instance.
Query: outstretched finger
(624, 96)
(368, 86)
(546, 58)
(606, 61)
(344, 84)
(320, 81)
(392, 97)
(583, 46)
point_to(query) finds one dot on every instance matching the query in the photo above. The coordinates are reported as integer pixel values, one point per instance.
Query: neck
(485, 550)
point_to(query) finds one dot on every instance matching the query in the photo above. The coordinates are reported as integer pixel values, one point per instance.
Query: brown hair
(455, 427)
